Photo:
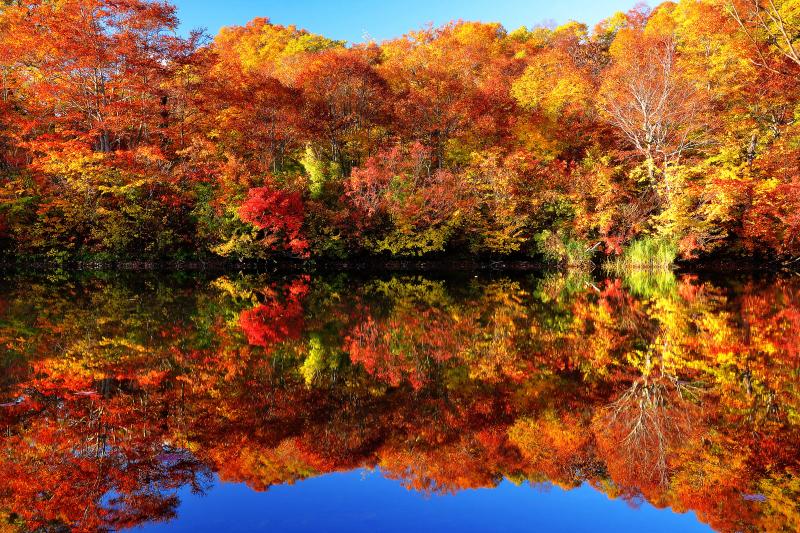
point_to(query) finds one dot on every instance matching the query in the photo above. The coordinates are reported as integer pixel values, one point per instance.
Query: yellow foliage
(552, 85)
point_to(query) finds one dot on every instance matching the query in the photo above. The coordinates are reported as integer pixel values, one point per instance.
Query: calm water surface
(436, 403)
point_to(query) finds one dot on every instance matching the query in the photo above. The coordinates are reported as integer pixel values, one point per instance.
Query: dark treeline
(660, 133)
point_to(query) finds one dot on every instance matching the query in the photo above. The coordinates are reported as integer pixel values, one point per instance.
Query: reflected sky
(366, 501)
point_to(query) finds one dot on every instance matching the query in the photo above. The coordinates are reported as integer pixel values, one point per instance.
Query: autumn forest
(466, 261)
(660, 134)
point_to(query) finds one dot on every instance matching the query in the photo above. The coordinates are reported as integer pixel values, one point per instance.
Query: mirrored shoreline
(120, 395)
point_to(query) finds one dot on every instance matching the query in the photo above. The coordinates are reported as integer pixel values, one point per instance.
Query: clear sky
(356, 20)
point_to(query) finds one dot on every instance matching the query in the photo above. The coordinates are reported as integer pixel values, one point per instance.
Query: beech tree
(645, 97)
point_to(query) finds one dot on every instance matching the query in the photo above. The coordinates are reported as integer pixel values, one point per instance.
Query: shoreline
(719, 265)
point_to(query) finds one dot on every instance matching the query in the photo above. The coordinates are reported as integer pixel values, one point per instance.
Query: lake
(342, 402)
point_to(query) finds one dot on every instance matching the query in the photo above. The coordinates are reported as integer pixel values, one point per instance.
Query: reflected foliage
(115, 392)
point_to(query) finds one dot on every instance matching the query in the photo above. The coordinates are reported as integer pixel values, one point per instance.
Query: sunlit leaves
(553, 143)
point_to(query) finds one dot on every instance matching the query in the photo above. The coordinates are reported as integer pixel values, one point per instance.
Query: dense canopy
(673, 128)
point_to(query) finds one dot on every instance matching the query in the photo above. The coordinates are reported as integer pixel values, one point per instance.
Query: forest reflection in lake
(121, 393)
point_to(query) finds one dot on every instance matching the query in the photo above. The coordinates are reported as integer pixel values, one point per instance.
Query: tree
(772, 26)
(643, 95)
(279, 215)
(404, 204)
(92, 69)
(344, 105)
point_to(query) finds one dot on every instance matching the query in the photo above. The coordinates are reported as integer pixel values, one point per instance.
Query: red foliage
(402, 182)
(280, 214)
(278, 319)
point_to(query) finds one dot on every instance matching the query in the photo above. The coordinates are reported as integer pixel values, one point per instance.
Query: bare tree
(661, 114)
(651, 418)
(768, 23)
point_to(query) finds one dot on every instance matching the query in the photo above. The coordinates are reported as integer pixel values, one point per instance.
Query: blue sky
(355, 20)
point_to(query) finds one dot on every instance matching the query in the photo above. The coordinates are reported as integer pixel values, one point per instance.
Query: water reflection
(675, 390)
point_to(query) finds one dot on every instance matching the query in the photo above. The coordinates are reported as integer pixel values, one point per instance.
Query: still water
(399, 402)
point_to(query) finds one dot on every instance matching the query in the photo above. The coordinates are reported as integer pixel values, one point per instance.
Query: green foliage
(646, 253)
(409, 241)
(327, 241)
(220, 227)
(321, 359)
(558, 247)
(318, 171)
(658, 283)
